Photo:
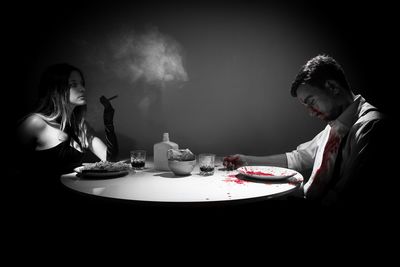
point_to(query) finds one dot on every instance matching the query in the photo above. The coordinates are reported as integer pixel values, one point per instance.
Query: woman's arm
(111, 138)
(108, 150)
(95, 144)
(111, 143)
(98, 148)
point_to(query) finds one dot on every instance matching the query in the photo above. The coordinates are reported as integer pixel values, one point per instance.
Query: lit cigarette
(111, 98)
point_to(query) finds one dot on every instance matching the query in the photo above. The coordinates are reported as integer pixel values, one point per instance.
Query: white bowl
(181, 167)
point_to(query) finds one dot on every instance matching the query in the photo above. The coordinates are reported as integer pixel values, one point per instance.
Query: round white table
(150, 185)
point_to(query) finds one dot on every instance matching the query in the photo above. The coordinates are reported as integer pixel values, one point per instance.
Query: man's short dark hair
(317, 71)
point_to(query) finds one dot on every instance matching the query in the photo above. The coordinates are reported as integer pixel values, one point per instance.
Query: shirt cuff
(291, 161)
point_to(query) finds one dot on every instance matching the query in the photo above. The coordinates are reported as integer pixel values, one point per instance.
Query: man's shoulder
(369, 116)
(368, 112)
(370, 123)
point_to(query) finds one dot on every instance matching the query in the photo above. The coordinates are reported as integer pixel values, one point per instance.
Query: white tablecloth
(164, 186)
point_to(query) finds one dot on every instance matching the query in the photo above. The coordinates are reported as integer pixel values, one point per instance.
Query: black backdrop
(369, 30)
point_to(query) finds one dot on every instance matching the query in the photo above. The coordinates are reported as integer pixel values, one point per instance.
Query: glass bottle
(160, 153)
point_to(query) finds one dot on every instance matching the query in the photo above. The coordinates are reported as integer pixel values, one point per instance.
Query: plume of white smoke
(153, 56)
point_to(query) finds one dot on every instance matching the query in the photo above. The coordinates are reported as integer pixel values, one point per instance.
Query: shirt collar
(349, 115)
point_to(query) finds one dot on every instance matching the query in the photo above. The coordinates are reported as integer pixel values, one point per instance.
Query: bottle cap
(165, 137)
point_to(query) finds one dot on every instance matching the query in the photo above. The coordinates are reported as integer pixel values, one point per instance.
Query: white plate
(99, 174)
(266, 172)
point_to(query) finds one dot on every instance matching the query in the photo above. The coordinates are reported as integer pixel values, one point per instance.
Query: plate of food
(103, 169)
(266, 172)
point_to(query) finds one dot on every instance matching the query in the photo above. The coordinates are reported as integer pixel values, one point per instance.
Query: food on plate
(180, 154)
(106, 166)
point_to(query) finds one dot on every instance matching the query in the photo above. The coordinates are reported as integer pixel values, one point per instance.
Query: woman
(56, 136)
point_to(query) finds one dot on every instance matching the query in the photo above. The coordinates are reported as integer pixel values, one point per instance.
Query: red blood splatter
(317, 112)
(331, 147)
(233, 179)
(238, 181)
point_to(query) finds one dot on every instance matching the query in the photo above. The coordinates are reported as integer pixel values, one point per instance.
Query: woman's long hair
(53, 103)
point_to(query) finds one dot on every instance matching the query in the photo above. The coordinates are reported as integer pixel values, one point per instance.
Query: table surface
(152, 185)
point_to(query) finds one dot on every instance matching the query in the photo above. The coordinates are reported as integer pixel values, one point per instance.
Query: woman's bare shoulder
(33, 122)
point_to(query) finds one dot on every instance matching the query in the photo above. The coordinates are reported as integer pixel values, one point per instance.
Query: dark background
(240, 57)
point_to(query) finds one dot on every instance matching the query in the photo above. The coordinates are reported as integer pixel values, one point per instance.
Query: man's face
(320, 103)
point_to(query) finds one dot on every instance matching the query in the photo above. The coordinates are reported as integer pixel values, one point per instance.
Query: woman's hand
(234, 161)
(108, 115)
(111, 138)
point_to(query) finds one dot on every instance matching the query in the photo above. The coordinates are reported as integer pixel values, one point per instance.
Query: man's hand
(234, 161)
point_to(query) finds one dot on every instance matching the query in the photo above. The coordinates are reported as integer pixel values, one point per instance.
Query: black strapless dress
(57, 160)
(39, 176)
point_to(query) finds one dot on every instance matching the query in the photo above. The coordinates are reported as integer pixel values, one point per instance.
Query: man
(341, 155)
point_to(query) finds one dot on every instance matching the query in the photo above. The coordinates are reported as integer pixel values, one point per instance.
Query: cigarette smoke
(152, 56)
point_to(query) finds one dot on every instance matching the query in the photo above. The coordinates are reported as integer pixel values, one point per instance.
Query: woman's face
(77, 90)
